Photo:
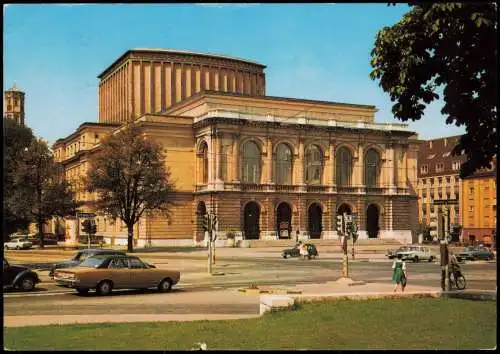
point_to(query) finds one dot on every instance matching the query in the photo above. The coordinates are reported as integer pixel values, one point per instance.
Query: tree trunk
(130, 242)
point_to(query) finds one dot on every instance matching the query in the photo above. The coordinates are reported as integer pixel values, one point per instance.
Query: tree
(451, 46)
(34, 186)
(129, 175)
(16, 138)
(43, 191)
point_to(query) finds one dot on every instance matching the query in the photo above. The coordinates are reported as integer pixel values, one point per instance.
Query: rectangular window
(440, 180)
(448, 179)
(424, 169)
(455, 165)
(440, 167)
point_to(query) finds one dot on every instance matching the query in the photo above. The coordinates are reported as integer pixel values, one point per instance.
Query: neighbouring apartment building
(478, 202)
(439, 185)
(269, 167)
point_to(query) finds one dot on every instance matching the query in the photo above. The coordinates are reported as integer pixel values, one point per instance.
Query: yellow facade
(479, 209)
(204, 134)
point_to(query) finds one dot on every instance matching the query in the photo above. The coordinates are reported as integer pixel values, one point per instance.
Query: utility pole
(341, 230)
(446, 235)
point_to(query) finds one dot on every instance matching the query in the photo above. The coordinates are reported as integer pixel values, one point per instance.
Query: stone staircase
(319, 242)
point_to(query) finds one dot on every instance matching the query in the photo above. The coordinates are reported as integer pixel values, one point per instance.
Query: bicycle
(457, 279)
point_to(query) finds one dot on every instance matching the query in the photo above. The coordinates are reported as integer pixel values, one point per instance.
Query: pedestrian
(399, 273)
(303, 250)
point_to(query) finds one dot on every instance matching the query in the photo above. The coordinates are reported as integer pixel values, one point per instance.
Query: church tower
(14, 104)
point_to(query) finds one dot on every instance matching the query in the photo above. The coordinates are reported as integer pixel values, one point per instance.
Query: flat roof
(175, 51)
(202, 93)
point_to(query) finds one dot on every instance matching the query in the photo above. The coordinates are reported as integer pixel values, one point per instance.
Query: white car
(17, 244)
(417, 254)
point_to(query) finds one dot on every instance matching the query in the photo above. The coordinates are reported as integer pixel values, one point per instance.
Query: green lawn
(371, 324)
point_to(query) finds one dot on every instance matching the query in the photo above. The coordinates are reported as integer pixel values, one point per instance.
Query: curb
(278, 302)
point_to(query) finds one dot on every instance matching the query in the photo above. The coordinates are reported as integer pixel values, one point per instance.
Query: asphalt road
(194, 284)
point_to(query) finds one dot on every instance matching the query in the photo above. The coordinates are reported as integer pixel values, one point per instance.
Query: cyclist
(455, 267)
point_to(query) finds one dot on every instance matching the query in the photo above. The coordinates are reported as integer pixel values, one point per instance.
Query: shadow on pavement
(19, 291)
(125, 292)
(169, 249)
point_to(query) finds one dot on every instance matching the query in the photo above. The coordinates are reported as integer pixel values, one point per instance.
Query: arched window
(251, 163)
(372, 168)
(314, 164)
(283, 164)
(343, 167)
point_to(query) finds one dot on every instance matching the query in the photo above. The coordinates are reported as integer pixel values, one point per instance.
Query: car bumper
(67, 283)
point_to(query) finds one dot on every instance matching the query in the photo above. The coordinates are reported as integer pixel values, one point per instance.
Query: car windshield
(467, 249)
(92, 262)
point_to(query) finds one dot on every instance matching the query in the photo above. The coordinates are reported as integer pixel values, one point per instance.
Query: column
(269, 160)
(218, 152)
(392, 171)
(211, 160)
(331, 167)
(361, 182)
(299, 163)
(236, 157)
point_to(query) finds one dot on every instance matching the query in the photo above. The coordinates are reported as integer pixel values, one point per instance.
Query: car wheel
(415, 259)
(285, 256)
(6, 247)
(27, 283)
(82, 291)
(18, 248)
(104, 287)
(431, 259)
(165, 285)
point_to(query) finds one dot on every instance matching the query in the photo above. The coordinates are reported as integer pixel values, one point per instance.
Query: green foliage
(371, 324)
(34, 187)
(129, 175)
(449, 45)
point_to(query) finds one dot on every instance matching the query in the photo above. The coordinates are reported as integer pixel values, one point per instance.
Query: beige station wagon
(106, 272)
(417, 254)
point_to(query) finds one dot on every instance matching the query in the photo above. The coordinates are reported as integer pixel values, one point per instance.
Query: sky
(54, 52)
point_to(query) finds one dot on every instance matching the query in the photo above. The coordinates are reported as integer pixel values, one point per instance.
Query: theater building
(269, 167)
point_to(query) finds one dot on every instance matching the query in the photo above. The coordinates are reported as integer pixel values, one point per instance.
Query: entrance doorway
(200, 211)
(315, 216)
(252, 220)
(344, 208)
(372, 221)
(284, 220)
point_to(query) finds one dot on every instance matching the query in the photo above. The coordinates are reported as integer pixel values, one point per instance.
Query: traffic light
(86, 226)
(89, 226)
(93, 227)
(204, 222)
(340, 225)
(214, 222)
(354, 228)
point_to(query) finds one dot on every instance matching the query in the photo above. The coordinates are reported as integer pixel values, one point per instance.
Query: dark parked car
(295, 252)
(475, 252)
(18, 277)
(80, 256)
(48, 239)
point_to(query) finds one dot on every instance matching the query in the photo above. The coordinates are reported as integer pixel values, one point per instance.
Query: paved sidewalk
(337, 289)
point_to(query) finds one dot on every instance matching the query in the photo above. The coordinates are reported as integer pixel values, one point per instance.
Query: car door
(119, 273)
(8, 274)
(141, 276)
